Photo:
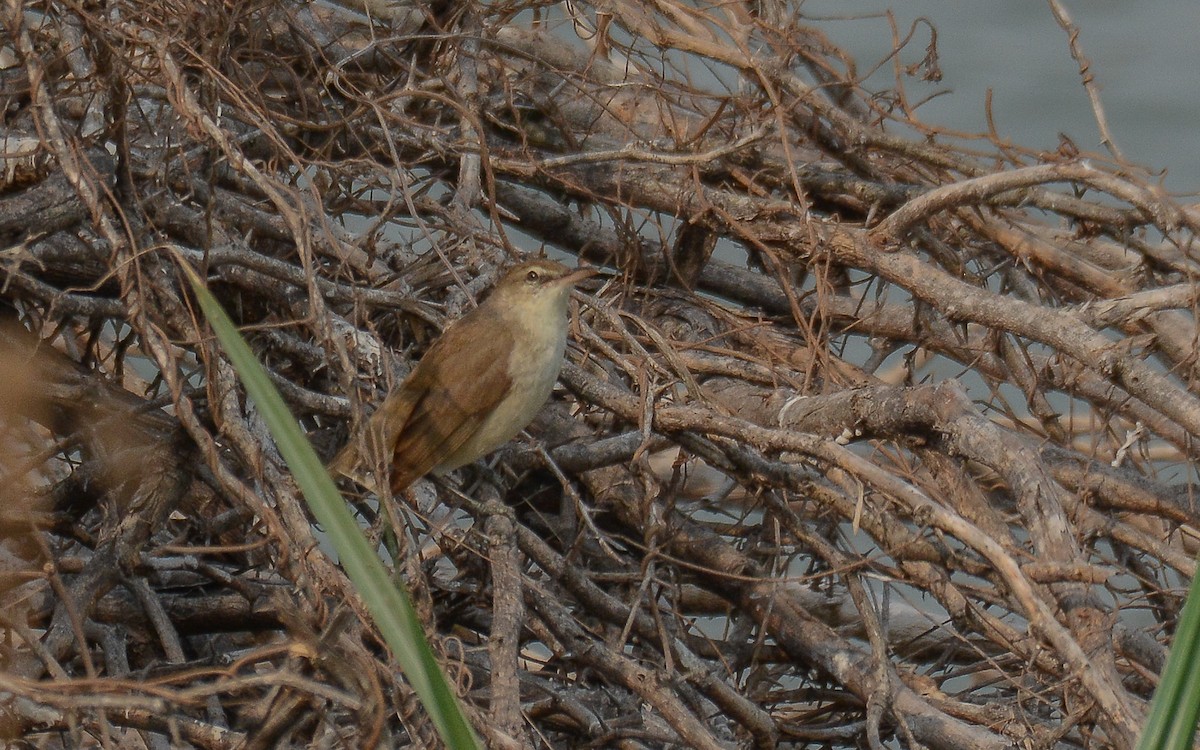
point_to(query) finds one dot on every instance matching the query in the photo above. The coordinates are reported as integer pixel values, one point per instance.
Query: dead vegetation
(874, 435)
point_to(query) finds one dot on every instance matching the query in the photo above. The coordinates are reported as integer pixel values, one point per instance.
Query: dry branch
(866, 437)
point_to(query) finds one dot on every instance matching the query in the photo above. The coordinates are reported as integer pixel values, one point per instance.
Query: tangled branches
(869, 435)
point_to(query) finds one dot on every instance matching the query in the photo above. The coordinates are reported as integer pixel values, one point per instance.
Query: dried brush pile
(872, 435)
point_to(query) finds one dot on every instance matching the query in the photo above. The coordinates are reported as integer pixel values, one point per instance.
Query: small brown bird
(481, 382)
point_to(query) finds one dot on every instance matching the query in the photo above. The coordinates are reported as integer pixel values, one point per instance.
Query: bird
(481, 382)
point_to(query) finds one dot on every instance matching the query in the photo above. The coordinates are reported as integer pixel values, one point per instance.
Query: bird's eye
(533, 276)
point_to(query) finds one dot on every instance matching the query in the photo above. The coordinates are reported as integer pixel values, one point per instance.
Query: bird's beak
(579, 274)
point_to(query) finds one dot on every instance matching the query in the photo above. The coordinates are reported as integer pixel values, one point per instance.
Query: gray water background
(1144, 56)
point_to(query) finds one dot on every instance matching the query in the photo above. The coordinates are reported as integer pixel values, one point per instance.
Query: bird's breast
(533, 368)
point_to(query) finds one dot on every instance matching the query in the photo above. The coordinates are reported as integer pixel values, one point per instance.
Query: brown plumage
(479, 384)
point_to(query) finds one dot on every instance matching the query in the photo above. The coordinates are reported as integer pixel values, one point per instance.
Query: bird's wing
(457, 395)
